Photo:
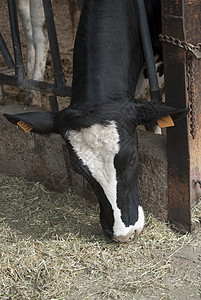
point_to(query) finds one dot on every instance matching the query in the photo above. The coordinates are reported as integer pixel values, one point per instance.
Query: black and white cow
(99, 126)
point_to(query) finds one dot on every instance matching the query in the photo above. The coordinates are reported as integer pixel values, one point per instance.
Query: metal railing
(58, 87)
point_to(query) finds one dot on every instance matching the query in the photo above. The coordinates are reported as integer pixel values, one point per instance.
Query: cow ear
(147, 113)
(39, 122)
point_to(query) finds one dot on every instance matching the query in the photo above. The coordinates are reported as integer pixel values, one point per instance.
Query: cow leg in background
(32, 17)
(41, 45)
(23, 10)
(143, 81)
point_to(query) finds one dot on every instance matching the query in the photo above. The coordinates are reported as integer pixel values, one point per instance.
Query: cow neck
(104, 69)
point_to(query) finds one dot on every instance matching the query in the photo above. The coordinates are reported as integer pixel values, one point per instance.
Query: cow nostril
(132, 236)
(124, 239)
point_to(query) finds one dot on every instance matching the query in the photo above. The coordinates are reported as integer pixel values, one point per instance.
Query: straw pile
(52, 247)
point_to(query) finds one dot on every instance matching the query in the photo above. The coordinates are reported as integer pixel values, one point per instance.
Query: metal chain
(191, 93)
(179, 43)
(189, 48)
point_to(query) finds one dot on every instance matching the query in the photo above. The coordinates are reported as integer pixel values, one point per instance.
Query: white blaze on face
(97, 146)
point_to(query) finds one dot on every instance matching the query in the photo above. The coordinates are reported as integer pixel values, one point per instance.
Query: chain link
(182, 44)
(191, 93)
(188, 47)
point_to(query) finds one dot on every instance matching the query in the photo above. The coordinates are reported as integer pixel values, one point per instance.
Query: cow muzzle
(125, 239)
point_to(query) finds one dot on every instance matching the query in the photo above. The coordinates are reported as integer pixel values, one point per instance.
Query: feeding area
(52, 247)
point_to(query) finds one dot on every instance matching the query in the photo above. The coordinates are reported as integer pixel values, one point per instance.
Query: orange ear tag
(25, 126)
(165, 122)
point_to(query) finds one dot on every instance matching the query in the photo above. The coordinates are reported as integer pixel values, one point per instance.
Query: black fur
(108, 53)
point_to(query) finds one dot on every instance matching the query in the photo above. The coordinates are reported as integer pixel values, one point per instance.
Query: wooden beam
(182, 20)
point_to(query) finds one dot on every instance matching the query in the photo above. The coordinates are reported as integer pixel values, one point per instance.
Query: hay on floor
(52, 247)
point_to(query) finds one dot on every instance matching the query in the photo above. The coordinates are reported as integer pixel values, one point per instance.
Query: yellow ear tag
(25, 126)
(165, 122)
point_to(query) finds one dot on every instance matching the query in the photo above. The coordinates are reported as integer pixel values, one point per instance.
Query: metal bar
(148, 54)
(31, 84)
(19, 67)
(177, 138)
(68, 163)
(2, 98)
(6, 54)
(184, 161)
(192, 23)
(53, 103)
(80, 4)
(58, 73)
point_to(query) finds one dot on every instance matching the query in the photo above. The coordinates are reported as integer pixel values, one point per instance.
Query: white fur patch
(96, 147)
(140, 222)
(127, 233)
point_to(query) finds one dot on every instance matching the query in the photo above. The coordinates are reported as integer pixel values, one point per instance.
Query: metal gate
(59, 87)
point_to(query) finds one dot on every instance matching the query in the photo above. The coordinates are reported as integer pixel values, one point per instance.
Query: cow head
(103, 147)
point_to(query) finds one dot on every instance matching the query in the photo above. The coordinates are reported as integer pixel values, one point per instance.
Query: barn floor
(52, 247)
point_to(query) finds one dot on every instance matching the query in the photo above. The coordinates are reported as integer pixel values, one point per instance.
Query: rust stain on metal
(173, 7)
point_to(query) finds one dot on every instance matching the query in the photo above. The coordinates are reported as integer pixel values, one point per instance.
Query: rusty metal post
(182, 20)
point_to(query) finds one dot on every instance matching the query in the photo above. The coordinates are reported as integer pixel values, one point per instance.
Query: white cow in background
(32, 17)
